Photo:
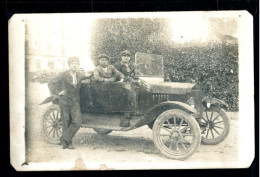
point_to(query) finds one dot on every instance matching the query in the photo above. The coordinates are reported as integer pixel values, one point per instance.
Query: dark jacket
(64, 81)
(128, 71)
(109, 75)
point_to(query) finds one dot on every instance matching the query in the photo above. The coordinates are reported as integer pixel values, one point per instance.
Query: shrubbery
(215, 62)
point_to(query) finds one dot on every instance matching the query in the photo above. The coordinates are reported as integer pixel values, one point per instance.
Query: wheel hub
(176, 135)
(211, 124)
(55, 124)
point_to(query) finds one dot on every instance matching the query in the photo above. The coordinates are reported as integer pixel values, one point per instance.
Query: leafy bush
(213, 62)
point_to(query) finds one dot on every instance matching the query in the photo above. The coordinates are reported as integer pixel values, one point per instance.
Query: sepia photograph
(125, 91)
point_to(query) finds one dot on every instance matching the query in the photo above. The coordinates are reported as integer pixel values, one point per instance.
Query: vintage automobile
(179, 114)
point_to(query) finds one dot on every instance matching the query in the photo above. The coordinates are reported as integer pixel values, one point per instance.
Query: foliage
(111, 36)
(213, 62)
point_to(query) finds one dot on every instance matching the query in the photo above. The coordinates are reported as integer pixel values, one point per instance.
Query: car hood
(170, 87)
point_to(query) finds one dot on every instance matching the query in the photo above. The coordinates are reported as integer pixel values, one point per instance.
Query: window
(38, 65)
(51, 65)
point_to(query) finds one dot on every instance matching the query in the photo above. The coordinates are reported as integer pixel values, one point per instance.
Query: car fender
(52, 99)
(214, 101)
(218, 101)
(155, 111)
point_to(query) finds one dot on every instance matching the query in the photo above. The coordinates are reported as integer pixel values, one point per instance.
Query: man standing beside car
(66, 87)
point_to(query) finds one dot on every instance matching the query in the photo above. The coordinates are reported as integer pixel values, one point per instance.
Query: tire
(102, 131)
(51, 124)
(181, 135)
(215, 125)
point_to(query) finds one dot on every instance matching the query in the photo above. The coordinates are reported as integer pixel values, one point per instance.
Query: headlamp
(207, 100)
(191, 102)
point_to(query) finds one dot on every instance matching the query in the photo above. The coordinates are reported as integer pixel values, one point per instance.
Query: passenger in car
(129, 69)
(106, 72)
(125, 66)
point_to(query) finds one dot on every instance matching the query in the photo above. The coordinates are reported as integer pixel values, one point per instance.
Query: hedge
(212, 63)
(215, 64)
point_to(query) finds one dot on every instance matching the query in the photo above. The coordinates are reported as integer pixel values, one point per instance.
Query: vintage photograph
(112, 91)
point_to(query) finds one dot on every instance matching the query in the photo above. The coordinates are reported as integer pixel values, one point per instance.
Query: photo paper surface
(125, 91)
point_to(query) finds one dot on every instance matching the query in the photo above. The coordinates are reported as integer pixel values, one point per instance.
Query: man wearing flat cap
(66, 86)
(125, 66)
(130, 72)
(106, 72)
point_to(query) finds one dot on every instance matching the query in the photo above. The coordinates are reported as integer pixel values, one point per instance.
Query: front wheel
(176, 134)
(214, 125)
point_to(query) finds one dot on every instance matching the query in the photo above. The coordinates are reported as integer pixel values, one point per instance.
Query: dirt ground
(117, 147)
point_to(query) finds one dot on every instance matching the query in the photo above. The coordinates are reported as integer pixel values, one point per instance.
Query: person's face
(74, 66)
(125, 58)
(103, 62)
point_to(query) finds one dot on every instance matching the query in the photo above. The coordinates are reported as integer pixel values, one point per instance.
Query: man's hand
(89, 74)
(112, 79)
(63, 92)
(121, 80)
(55, 96)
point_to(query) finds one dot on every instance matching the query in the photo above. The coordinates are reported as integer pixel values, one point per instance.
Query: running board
(107, 121)
(108, 127)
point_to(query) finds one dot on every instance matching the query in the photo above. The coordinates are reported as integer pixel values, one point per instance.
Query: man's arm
(85, 75)
(135, 70)
(117, 65)
(112, 79)
(97, 76)
(54, 84)
(117, 73)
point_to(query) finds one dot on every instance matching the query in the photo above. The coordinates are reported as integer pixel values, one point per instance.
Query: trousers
(71, 120)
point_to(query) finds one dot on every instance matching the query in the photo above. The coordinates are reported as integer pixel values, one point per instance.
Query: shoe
(125, 120)
(125, 123)
(70, 145)
(63, 143)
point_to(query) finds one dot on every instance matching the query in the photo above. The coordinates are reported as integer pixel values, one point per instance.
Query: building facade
(43, 46)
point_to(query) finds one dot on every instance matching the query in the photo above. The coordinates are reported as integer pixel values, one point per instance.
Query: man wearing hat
(66, 87)
(129, 71)
(106, 72)
(125, 66)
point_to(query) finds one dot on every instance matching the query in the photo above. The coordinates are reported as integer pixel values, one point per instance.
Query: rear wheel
(102, 131)
(214, 125)
(51, 124)
(176, 134)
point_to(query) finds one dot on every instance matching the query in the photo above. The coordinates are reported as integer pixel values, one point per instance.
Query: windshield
(149, 64)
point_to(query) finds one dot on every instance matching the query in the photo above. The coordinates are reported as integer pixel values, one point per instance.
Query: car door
(122, 97)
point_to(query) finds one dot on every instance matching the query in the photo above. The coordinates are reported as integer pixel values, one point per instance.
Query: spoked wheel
(102, 131)
(51, 124)
(214, 125)
(176, 134)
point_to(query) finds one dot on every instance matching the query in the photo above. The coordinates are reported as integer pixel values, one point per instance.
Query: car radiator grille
(158, 97)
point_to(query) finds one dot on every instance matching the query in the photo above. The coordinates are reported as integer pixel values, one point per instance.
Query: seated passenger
(125, 66)
(129, 70)
(106, 72)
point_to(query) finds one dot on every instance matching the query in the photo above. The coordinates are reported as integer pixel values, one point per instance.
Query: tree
(110, 36)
